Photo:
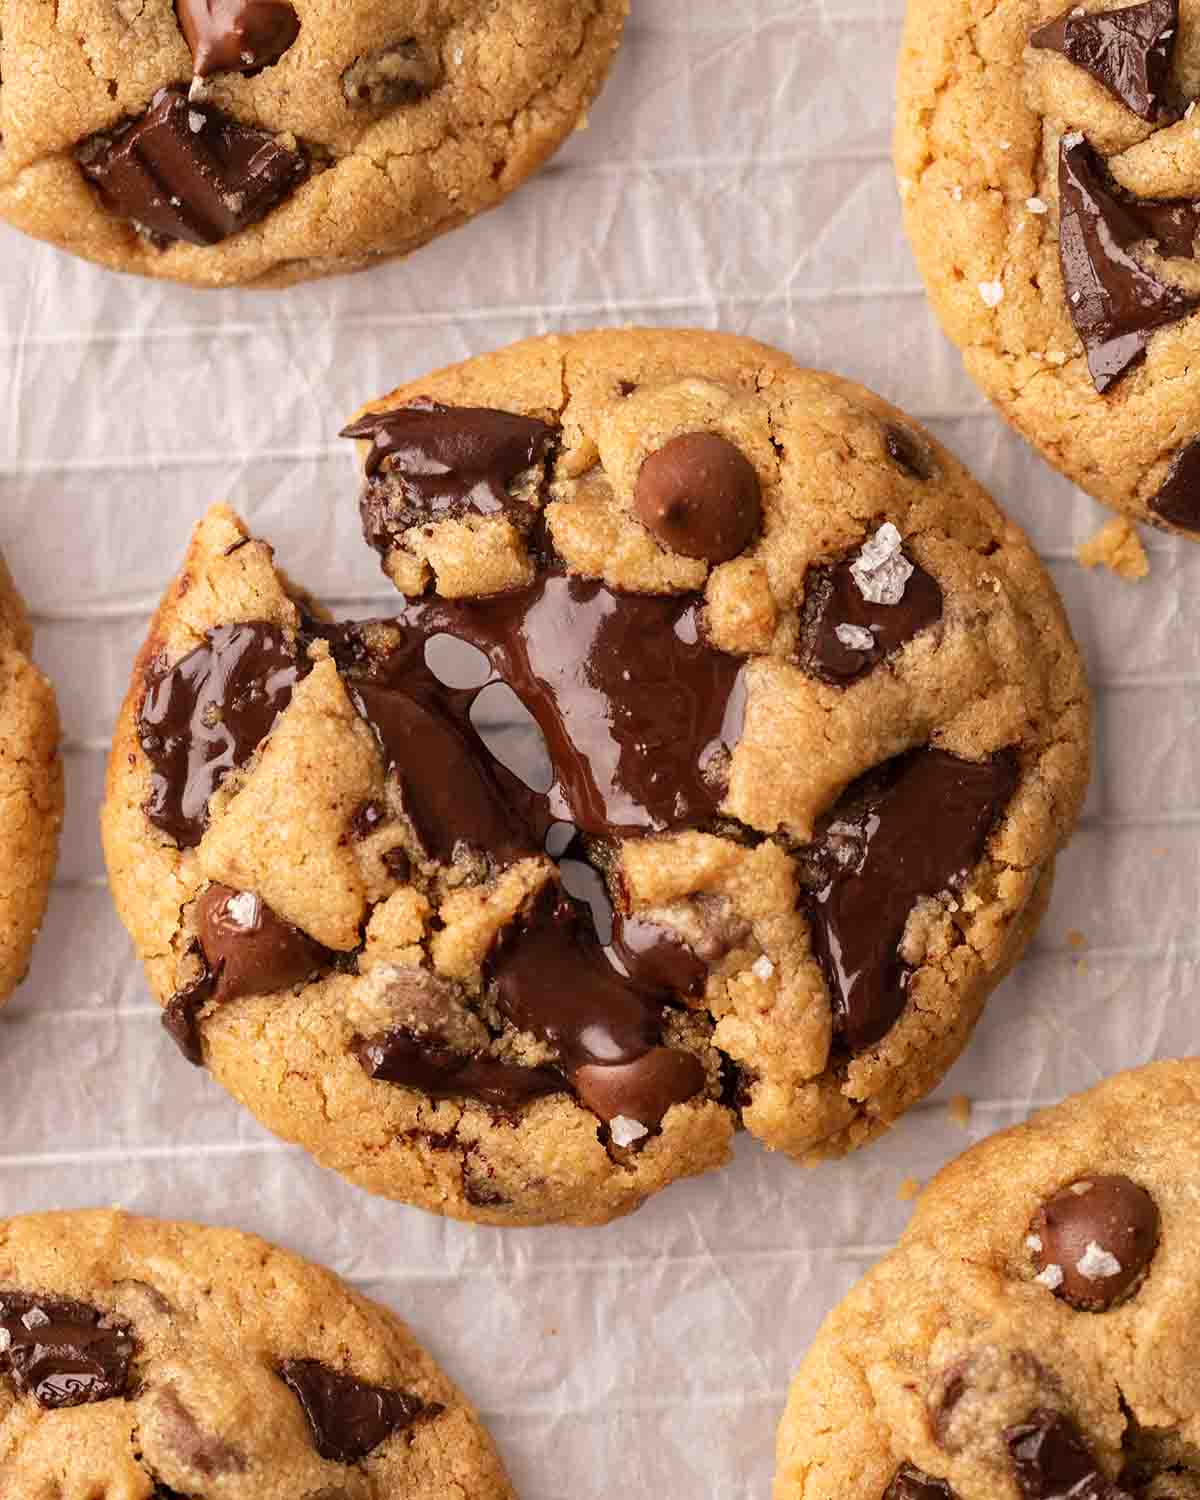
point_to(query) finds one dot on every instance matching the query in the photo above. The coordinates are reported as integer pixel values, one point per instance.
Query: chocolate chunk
(1128, 50)
(657, 956)
(1051, 1461)
(400, 74)
(909, 1483)
(1178, 499)
(348, 1417)
(1101, 1234)
(550, 978)
(181, 1018)
(200, 1451)
(915, 827)
(63, 1353)
(1173, 222)
(249, 950)
(417, 1062)
(183, 171)
(430, 462)
(237, 35)
(700, 496)
(907, 451)
(206, 716)
(834, 602)
(1114, 302)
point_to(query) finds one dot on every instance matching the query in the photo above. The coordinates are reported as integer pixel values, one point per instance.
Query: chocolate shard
(1100, 1233)
(914, 828)
(236, 35)
(1051, 1461)
(910, 1483)
(249, 950)
(350, 1418)
(1178, 498)
(63, 1353)
(1114, 301)
(418, 1062)
(1128, 50)
(838, 621)
(430, 462)
(206, 716)
(700, 496)
(184, 171)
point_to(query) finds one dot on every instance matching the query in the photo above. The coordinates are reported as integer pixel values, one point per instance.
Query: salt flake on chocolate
(243, 909)
(35, 1318)
(1051, 1277)
(626, 1131)
(881, 569)
(1097, 1263)
(856, 637)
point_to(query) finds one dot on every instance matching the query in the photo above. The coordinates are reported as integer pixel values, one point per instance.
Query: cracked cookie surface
(144, 1360)
(1049, 167)
(1028, 1338)
(262, 142)
(31, 789)
(766, 820)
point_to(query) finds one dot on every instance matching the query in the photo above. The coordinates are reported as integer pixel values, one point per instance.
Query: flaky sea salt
(243, 910)
(1051, 1277)
(34, 1318)
(1079, 1188)
(762, 967)
(991, 292)
(881, 569)
(1097, 1263)
(956, 193)
(625, 1131)
(856, 637)
(195, 121)
(5, 1340)
(1033, 1242)
(1036, 205)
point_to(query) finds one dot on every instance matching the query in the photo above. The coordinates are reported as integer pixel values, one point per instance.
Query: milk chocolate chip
(916, 827)
(237, 35)
(700, 496)
(1114, 302)
(1128, 50)
(206, 716)
(910, 1483)
(63, 1353)
(1094, 1239)
(1178, 500)
(348, 1417)
(250, 951)
(1051, 1461)
(844, 635)
(183, 171)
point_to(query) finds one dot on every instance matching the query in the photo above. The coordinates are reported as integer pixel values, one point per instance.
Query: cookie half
(265, 142)
(1028, 1338)
(1049, 166)
(31, 789)
(155, 1361)
(710, 774)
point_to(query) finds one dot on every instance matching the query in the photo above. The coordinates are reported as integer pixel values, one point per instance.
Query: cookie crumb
(1118, 546)
(626, 1131)
(1051, 1277)
(1097, 1263)
(960, 1110)
(1076, 938)
(908, 1189)
(992, 293)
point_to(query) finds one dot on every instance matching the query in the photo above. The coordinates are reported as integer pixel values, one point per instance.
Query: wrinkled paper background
(735, 175)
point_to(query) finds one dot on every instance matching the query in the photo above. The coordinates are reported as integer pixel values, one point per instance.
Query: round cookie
(153, 1361)
(1028, 1338)
(31, 790)
(1049, 166)
(265, 142)
(807, 797)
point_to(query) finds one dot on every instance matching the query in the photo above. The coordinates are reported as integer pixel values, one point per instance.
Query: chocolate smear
(1178, 499)
(63, 1353)
(181, 1017)
(833, 601)
(350, 1418)
(1128, 50)
(236, 35)
(657, 956)
(417, 1062)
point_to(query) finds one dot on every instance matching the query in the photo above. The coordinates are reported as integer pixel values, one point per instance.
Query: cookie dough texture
(950, 1341)
(31, 790)
(980, 115)
(214, 1315)
(412, 117)
(997, 674)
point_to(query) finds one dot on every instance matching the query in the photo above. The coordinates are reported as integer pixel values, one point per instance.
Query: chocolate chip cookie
(264, 142)
(709, 773)
(31, 789)
(157, 1361)
(1049, 163)
(1029, 1337)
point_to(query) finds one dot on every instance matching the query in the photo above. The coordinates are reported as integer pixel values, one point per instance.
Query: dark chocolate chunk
(907, 451)
(181, 1017)
(249, 950)
(1178, 499)
(657, 956)
(914, 827)
(551, 978)
(430, 462)
(832, 599)
(183, 171)
(1128, 50)
(63, 1353)
(206, 716)
(909, 1483)
(348, 1417)
(1051, 1461)
(700, 496)
(1114, 302)
(1173, 222)
(236, 35)
(197, 1449)
(418, 1062)
(1101, 1232)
